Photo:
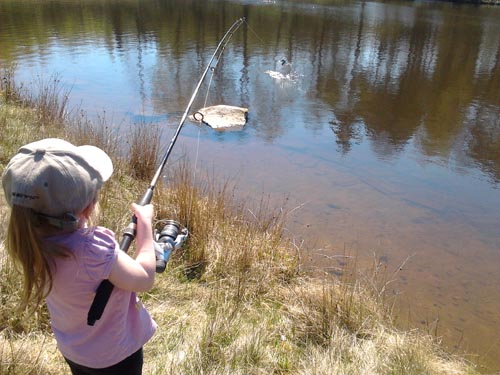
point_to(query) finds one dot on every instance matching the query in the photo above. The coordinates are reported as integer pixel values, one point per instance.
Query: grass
(234, 300)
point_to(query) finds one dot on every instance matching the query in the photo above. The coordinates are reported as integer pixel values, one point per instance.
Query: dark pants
(129, 366)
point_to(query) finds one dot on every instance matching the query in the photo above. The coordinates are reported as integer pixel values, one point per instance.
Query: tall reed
(46, 96)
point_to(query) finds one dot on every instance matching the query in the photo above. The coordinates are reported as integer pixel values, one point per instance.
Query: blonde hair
(32, 254)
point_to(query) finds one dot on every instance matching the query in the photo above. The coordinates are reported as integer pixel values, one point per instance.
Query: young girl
(52, 188)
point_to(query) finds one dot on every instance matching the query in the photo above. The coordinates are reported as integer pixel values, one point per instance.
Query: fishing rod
(106, 287)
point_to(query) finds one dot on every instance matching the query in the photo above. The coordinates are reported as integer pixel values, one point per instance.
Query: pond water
(385, 142)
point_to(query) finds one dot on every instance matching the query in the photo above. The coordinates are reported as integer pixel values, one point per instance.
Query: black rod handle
(102, 295)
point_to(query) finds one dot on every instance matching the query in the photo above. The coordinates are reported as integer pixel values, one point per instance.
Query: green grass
(233, 300)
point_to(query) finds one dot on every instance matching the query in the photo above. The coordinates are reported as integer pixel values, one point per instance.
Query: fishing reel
(171, 237)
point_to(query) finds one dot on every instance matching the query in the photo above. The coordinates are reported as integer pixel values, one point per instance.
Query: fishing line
(209, 86)
(212, 71)
(254, 33)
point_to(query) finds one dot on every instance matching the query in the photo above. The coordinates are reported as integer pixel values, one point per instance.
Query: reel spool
(170, 238)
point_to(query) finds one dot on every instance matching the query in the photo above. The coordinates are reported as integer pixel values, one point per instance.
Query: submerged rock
(222, 117)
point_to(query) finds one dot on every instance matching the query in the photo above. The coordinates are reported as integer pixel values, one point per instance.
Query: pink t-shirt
(125, 325)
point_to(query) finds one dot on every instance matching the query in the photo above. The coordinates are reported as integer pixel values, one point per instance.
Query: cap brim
(98, 160)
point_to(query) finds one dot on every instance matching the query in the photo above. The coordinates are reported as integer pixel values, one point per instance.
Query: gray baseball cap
(54, 177)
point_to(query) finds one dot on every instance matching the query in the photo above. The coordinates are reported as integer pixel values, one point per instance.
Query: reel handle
(161, 265)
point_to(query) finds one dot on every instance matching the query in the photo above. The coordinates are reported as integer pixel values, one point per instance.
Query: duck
(285, 68)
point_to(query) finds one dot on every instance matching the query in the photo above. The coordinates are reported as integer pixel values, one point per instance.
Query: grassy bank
(233, 300)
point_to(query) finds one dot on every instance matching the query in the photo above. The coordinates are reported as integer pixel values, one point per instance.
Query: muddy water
(385, 144)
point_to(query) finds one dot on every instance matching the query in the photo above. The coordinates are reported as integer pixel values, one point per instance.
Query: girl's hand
(143, 213)
(137, 274)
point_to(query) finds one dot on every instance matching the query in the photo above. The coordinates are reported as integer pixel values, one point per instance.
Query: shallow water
(386, 142)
